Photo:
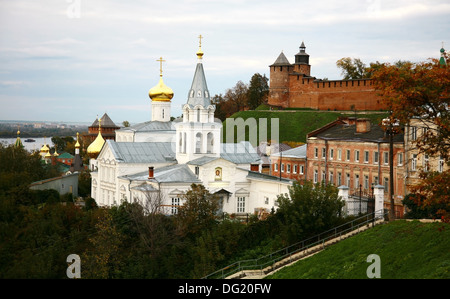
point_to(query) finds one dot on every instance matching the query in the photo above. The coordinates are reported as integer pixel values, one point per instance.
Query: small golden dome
(44, 148)
(77, 145)
(95, 147)
(161, 92)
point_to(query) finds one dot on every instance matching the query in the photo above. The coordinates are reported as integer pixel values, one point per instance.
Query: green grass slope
(295, 124)
(407, 250)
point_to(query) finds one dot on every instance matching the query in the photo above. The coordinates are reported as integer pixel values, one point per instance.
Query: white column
(343, 193)
(378, 192)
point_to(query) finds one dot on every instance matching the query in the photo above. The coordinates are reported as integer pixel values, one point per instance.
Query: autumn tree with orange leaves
(421, 91)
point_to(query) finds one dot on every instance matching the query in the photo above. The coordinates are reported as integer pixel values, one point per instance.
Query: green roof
(65, 156)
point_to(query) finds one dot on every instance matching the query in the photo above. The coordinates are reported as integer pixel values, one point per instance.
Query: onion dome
(44, 148)
(96, 146)
(77, 144)
(161, 92)
(18, 141)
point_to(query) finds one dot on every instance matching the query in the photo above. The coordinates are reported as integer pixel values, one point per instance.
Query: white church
(162, 158)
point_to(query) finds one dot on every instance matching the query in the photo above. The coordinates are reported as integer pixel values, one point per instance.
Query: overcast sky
(71, 60)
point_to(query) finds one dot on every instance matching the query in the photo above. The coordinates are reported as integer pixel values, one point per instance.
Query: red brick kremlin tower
(292, 86)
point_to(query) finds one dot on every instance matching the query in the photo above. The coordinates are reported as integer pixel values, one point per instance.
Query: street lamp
(390, 127)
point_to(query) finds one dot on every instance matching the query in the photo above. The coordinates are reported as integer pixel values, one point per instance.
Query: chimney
(150, 172)
(254, 167)
(362, 125)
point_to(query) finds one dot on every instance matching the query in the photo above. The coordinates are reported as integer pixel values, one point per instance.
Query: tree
(352, 68)
(198, 212)
(126, 123)
(307, 209)
(419, 93)
(238, 95)
(258, 91)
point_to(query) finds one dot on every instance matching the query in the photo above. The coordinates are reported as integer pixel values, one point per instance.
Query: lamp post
(389, 125)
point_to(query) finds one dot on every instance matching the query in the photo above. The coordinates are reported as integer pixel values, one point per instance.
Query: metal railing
(308, 246)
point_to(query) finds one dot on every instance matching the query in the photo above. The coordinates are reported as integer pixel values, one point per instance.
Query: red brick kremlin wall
(291, 86)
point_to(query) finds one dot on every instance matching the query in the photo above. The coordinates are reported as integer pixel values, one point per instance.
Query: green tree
(352, 68)
(308, 209)
(258, 91)
(198, 212)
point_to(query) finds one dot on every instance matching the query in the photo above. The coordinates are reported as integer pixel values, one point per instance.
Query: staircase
(261, 267)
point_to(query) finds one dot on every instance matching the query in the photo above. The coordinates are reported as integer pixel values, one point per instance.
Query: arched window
(198, 143)
(210, 143)
(198, 114)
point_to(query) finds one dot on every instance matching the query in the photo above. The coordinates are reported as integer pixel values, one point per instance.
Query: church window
(198, 114)
(199, 94)
(192, 93)
(206, 94)
(241, 205)
(175, 205)
(197, 171)
(163, 114)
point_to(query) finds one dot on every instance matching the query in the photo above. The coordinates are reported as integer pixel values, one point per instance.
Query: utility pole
(391, 172)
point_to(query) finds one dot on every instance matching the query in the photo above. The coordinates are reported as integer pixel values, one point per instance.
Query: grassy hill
(406, 249)
(295, 124)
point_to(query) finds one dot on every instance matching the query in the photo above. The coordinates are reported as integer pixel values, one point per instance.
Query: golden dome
(95, 147)
(161, 92)
(44, 148)
(77, 145)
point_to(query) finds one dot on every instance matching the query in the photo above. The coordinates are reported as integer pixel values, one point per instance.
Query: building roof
(265, 149)
(106, 122)
(150, 126)
(239, 153)
(65, 156)
(296, 152)
(178, 173)
(281, 60)
(268, 177)
(199, 93)
(142, 152)
(341, 130)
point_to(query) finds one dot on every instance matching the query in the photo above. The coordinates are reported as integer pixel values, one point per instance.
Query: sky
(74, 60)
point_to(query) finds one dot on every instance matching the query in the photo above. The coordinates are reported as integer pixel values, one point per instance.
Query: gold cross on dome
(160, 65)
(200, 38)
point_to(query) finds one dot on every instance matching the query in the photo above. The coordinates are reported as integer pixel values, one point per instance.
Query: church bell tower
(198, 134)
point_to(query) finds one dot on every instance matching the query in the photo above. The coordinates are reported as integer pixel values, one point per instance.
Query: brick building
(355, 153)
(291, 85)
(415, 161)
(291, 163)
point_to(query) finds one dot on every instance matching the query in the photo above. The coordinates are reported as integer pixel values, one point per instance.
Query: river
(30, 146)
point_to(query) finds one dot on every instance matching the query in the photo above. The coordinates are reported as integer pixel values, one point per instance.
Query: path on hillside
(302, 254)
